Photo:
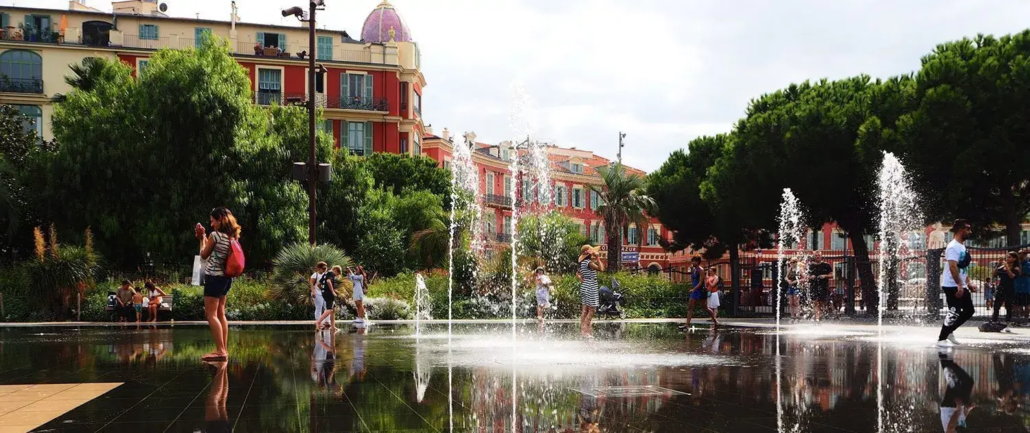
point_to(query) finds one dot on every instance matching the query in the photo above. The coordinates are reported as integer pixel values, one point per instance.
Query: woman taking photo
(215, 250)
(589, 266)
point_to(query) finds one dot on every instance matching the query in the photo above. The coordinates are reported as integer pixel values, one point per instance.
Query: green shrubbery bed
(387, 298)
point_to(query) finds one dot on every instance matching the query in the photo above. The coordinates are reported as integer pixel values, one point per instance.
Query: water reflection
(633, 377)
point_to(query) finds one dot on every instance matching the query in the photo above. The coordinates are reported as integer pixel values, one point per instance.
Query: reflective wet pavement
(633, 377)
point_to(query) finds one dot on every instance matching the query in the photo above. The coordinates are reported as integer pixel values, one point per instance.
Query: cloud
(663, 71)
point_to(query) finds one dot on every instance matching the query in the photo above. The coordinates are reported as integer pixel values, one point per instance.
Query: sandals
(214, 357)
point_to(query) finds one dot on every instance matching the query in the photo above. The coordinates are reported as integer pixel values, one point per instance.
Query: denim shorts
(217, 286)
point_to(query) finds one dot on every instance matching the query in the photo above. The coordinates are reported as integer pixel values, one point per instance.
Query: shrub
(57, 273)
(293, 267)
(386, 309)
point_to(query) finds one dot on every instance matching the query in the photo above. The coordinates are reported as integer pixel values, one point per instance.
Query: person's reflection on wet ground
(357, 364)
(216, 417)
(327, 369)
(957, 401)
(589, 413)
(1010, 391)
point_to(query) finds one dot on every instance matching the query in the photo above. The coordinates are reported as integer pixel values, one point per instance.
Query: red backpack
(235, 262)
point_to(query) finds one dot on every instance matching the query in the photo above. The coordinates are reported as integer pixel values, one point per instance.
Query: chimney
(446, 134)
(427, 130)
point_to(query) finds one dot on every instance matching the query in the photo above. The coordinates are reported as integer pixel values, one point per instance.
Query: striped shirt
(588, 288)
(219, 255)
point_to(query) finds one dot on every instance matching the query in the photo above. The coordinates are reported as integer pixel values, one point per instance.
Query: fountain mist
(464, 198)
(899, 216)
(791, 231)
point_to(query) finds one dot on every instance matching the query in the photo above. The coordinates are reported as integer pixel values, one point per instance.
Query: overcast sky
(662, 71)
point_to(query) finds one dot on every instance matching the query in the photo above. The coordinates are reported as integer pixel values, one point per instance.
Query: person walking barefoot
(328, 286)
(358, 277)
(955, 284)
(589, 265)
(712, 288)
(697, 288)
(215, 250)
(316, 293)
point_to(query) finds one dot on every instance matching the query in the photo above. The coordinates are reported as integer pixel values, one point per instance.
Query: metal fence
(914, 290)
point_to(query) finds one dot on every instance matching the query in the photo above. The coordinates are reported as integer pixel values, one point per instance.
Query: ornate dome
(379, 23)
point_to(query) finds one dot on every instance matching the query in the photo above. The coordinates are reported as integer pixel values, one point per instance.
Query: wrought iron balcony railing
(504, 238)
(498, 200)
(21, 85)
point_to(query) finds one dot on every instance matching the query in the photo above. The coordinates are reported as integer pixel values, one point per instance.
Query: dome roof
(379, 23)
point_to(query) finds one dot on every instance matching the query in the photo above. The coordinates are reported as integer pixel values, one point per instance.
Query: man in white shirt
(956, 285)
(316, 294)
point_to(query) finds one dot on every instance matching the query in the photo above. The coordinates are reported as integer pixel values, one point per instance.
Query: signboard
(630, 257)
(625, 248)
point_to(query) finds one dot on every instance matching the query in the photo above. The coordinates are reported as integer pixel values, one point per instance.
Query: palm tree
(89, 73)
(429, 245)
(623, 200)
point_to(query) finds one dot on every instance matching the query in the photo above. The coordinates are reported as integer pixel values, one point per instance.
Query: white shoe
(944, 343)
(951, 338)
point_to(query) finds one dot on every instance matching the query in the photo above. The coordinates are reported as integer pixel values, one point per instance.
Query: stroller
(609, 301)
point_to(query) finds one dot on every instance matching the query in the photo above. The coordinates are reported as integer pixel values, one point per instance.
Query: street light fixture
(312, 172)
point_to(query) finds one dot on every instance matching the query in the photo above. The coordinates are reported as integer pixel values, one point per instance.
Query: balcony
(322, 101)
(21, 85)
(135, 41)
(498, 200)
(504, 238)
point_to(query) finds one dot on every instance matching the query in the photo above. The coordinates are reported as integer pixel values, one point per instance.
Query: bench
(167, 303)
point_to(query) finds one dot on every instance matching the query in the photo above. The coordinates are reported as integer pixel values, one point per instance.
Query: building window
(507, 187)
(543, 197)
(199, 35)
(272, 40)
(507, 224)
(37, 28)
(506, 154)
(1024, 237)
(490, 229)
(418, 104)
(21, 71)
(33, 120)
(357, 137)
(577, 168)
(356, 90)
(490, 183)
(325, 48)
(141, 66)
(559, 195)
(325, 125)
(417, 150)
(632, 237)
(148, 32)
(653, 236)
(837, 241)
(404, 97)
(595, 200)
(577, 198)
(404, 146)
(269, 86)
(597, 233)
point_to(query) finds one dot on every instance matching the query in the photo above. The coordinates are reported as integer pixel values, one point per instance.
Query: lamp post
(312, 172)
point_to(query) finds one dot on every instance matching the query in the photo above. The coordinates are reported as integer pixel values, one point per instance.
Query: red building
(572, 172)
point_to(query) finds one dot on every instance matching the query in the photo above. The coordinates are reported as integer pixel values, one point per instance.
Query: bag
(235, 262)
(992, 327)
(198, 271)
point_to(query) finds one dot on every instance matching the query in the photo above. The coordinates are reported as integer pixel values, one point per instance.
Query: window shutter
(282, 41)
(142, 30)
(156, 35)
(261, 39)
(368, 138)
(345, 89)
(4, 19)
(345, 135)
(368, 89)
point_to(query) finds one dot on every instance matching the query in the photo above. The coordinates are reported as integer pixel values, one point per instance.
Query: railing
(504, 238)
(359, 103)
(135, 41)
(185, 43)
(366, 104)
(21, 85)
(498, 200)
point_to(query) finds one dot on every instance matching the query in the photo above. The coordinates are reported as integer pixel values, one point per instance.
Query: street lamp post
(313, 172)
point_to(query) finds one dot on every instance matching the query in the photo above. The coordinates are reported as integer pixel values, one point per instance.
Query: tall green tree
(624, 200)
(402, 172)
(23, 166)
(142, 160)
(676, 189)
(966, 140)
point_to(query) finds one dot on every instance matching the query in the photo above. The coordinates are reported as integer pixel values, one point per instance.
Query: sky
(577, 72)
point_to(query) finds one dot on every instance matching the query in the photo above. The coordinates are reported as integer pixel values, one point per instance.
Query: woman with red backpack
(224, 257)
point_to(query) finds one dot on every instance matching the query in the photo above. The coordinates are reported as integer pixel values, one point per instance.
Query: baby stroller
(609, 301)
